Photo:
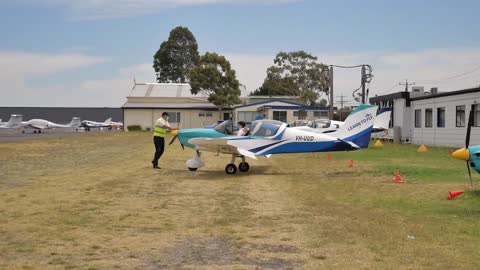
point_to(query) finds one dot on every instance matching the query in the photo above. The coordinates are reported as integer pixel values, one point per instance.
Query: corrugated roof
(168, 105)
(163, 90)
(169, 90)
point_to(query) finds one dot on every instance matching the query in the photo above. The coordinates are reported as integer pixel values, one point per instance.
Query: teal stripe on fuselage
(187, 134)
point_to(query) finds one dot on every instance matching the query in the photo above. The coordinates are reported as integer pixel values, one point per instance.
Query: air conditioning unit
(417, 91)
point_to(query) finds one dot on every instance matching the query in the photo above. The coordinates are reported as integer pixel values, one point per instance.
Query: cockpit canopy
(265, 128)
(225, 127)
(321, 123)
(300, 123)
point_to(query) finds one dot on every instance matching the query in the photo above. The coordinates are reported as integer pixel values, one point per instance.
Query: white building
(433, 118)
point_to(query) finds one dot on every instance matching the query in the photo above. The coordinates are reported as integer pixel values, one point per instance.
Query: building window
(460, 116)
(173, 117)
(280, 116)
(320, 114)
(476, 116)
(428, 117)
(205, 114)
(247, 117)
(300, 114)
(441, 117)
(418, 118)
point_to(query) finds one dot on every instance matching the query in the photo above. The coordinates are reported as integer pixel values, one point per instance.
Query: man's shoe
(156, 167)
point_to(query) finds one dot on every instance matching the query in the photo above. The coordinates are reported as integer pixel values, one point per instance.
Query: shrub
(134, 128)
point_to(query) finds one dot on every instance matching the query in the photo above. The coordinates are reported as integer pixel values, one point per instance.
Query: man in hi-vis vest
(159, 133)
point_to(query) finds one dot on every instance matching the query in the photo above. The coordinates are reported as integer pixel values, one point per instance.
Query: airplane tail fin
(15, 121)
(357, 128)
(75, 122)
(382, 120)
(108, 121)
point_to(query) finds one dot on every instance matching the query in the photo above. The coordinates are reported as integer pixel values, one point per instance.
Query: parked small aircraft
(470, 154)
(382, 122)
(39, 124)
(87, 124)
(269, 137)
(116, 124)
(15, 122)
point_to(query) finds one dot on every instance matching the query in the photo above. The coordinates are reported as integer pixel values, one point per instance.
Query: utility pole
(406, 84)
(330, 77)
(341, 105)
(363, 83)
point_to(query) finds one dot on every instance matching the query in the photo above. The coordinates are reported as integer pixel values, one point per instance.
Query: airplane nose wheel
(231, 168)
(243, 166)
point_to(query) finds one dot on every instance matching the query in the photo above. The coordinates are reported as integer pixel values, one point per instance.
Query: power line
(339, 66)
(406, 84)
(342, 101)
(388, 90)
(452, 77)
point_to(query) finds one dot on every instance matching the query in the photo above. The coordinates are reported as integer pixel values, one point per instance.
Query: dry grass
(93, 202)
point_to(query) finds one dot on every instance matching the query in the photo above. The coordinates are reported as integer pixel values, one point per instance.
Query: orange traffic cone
(329, 158)
(350, 164)
(454, 193)
(422, 148)
(397, 179)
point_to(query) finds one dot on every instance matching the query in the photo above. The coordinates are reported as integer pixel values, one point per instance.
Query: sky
(87, 52)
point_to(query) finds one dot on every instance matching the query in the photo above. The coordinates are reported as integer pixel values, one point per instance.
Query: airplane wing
(33, 126)
(219, 145)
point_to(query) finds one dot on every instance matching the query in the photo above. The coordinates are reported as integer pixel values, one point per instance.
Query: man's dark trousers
(159, 147)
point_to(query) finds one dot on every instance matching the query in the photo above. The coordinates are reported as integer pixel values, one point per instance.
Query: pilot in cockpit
(242, 131)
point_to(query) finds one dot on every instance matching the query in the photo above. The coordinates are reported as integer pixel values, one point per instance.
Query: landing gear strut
(232, 169)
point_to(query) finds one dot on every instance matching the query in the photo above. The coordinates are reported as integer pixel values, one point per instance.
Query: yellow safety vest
(160, 132)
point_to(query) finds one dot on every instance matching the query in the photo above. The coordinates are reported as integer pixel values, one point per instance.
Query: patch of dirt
(220, 251)
(340, 173)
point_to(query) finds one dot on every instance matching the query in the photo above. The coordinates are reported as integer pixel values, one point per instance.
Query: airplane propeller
(175, 136)
(464, 153)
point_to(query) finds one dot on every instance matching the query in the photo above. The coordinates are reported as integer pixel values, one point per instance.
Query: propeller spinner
(175, 136)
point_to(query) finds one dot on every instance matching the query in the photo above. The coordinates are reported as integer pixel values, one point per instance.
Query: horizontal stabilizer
(349, 144)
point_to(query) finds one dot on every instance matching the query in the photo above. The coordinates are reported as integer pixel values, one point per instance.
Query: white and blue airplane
(269, 137)
(382, 122)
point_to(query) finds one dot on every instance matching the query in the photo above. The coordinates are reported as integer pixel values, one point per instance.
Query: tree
(215, 77)
(176, 56)
(295, 74)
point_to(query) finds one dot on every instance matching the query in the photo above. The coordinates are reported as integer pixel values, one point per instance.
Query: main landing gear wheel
(243, 166)
(192, 169)
(231, 168)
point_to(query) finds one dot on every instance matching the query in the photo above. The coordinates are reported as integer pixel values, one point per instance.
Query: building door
(226, 116)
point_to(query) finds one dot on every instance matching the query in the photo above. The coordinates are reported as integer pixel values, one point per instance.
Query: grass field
(93, 202)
